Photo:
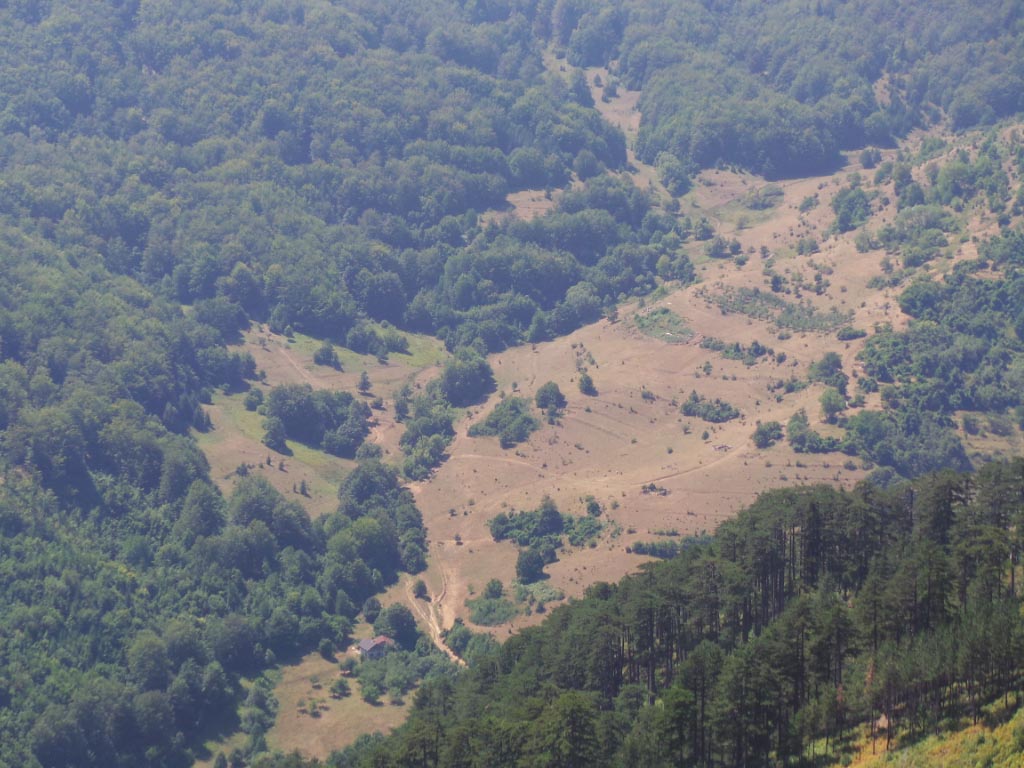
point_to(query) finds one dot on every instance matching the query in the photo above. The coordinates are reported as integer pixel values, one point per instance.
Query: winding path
(428, 617)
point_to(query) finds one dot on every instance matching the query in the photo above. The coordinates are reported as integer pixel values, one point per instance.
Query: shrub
(586, 384)
(549, 395)
(716, 411)
(767, 434)
(510, 421)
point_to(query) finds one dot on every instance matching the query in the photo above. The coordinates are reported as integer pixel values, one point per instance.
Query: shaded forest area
(171, 172)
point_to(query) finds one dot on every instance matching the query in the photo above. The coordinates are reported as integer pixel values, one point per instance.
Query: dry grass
(339, 721)
(973, 745)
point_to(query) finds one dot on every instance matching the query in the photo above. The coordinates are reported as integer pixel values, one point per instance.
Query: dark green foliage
(427, 434)
(340, 689)
(334, 421)
(767, 434)
(543, 528)
(397, 622)
(467, 644)
(849, 333)
(171, 173)
(250, 583)
(960, 352)
(511, 421)
(494, 589)
(715, 411)
(750, 355)
(529, 566)
(275, 436)
(398, 671)
(327, 355)
(387, 528)
(371, 609)
(832, 404)
(918, 234)
(548, 394)
(586, 384)
(852, 208)
(253, 399)
(466, 379)
(491, 611)
(803, 439)
(666, 549)
(736, 85)
(829, 370)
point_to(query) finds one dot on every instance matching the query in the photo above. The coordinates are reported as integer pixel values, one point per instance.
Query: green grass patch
(663, 324)
(538, 592)
(491, 612)
(424, 351)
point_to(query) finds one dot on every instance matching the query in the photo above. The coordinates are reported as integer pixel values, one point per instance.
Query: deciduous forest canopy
(171, 172)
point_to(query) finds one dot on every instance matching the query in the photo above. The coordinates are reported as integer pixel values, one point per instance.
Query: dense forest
(813, 612)
(172, 172)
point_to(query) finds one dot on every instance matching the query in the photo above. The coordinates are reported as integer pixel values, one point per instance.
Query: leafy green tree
(548, 394)
(275, 436)
(529, 566)
(494, 589)
(767, 434)
(569, 737)
(586, 384)
(397, 622)
(832, 404)
(327, 355)
(466, 379)
(147, 661)
(852, 208)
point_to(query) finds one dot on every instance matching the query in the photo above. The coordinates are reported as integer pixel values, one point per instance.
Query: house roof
(369, 645)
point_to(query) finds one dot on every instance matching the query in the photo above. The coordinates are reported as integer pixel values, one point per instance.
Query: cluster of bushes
(332, 420)
(803, 439)
(399, 671)
(715, 411)
(465, 379)
(539, 534)
(255, 581)
(749, 354)
(510, 421)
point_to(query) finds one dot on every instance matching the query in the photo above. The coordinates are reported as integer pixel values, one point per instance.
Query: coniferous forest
(173, 172)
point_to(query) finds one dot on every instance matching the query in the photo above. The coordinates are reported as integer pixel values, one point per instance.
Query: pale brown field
(339, 722)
